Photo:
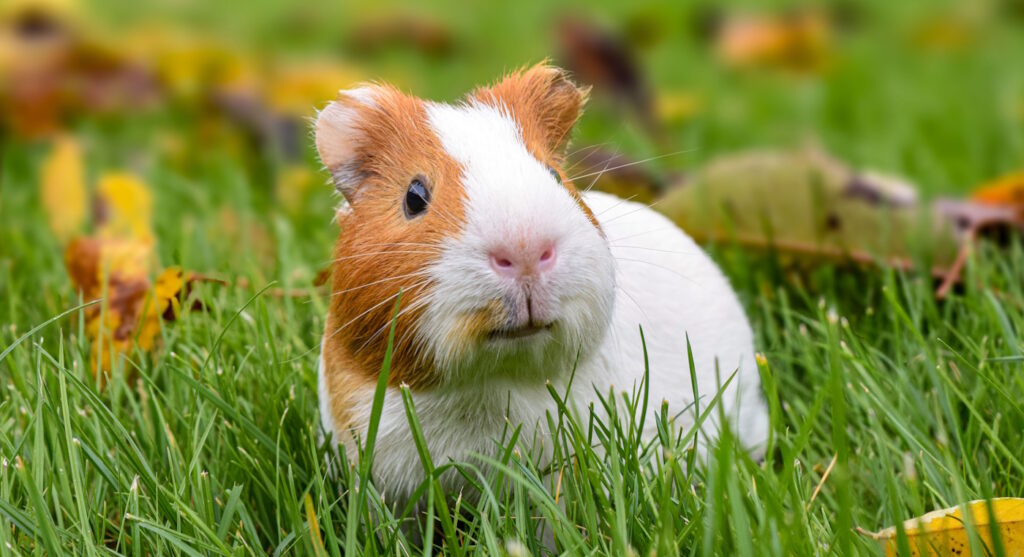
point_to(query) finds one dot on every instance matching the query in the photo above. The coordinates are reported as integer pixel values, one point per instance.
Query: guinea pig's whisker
(673, 271)
(598, 174)
(447, 217)
(591, 146)
(409, 334)
(399, 244)
(593, 149)
(384, 252)
(651, 231)
(641, 208)
(645, 248)
(593, 182)
(412, 307)
(633, 163)
(383, 280)
(613, 207)
(377, 305)
(632, 299)
(361, 315)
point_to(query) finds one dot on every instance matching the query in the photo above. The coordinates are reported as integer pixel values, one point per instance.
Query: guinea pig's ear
(340, 133)
(543, 99)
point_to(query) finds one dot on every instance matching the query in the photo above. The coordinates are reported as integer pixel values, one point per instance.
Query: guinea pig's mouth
(525, 331)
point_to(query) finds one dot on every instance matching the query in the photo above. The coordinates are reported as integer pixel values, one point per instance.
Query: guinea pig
(510, 279)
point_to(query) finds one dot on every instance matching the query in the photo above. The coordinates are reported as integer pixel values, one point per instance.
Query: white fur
(513, 200)
(644, 272)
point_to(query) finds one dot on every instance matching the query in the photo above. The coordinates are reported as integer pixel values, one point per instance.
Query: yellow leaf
(944, 533)
(54, 8)
(296, 90)
(94, 264)
(797, 41)
(170, 289)
(62, 188)
(1005, 190)
(189, 65)
(124, 208)
(115, 270)
(169, 284)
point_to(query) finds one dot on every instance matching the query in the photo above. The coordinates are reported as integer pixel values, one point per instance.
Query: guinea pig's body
(510, 279)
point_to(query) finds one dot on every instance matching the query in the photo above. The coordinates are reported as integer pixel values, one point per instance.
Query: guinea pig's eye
(417, 197)
(555, 175)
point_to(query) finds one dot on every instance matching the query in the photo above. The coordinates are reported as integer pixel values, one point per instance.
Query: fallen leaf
(62, 188)
(190, 66)
(114, 264)
(944, 532)
(798, 40)
(123, 208)
(600, 58)
(808, 200)
(295, 90)
(1007, 191)
(35, 49)
(50, 68)
(115, 270)
(170, 289)
(95, 264)
(132, 310)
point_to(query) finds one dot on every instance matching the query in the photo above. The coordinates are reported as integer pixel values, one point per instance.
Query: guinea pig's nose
(526, 261)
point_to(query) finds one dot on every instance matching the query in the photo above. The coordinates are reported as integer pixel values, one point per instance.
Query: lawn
(886, 403)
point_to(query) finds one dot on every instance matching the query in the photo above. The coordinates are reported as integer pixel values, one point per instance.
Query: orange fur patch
(546, 105)
(472, 326)
(379, 251)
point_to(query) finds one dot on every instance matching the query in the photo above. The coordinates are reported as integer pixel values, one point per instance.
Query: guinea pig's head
(464, 208)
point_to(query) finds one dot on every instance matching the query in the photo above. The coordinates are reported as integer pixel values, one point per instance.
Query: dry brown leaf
(116, 271)
(51, 68)
(132, 310)
(944, 532)
(62, 188)
(114, 265)
(95, 263)
(599, 57)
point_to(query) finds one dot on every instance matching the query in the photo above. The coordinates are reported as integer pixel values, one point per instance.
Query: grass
(210, 445)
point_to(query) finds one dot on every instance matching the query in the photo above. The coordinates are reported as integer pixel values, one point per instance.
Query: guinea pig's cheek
(471, 326)
(590, 290)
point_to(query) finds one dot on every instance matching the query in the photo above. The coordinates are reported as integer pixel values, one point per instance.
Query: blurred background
(159, 155)
(194, 116)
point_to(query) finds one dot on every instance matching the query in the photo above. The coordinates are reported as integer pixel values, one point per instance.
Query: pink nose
(517, 263)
